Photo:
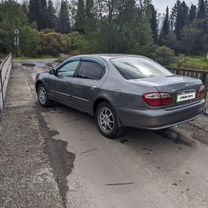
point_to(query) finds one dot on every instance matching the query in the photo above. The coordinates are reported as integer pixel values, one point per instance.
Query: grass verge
(193, 62)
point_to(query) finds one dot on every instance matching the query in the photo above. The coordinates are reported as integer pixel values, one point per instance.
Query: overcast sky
(161, 5)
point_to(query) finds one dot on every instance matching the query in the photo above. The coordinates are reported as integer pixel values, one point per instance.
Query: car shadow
(163, 151)
(132, 137)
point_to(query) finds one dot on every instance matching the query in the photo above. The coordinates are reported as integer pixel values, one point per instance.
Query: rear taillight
(158, 99)
(200, 92)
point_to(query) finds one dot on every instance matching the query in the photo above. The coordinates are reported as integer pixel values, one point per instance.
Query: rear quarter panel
(122, 93)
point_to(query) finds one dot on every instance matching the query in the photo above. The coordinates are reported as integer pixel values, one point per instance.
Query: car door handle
(93, 87)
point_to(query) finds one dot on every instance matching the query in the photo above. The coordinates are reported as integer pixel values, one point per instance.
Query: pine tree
(90, 20)
(51, 15)
(25, 7)
(202, 10)
(206, 7)
(192, 14)
(166, 26)
(181, 18)
(63, 25)
(173, 15)
(151, 14)
(38, 13)
(133, 27)
(146, 4)
(34, 11)
(89, 10)
(126, 23)
(80, 17)
(127, 13)
(43, 16)
(153, 22)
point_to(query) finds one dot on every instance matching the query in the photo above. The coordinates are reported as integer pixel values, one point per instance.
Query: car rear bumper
(156, 119)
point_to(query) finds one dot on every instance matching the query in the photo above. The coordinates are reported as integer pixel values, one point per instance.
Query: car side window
(68, 69)
(90, 70)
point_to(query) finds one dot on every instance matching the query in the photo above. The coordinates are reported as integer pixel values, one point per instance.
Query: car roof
(107, 56)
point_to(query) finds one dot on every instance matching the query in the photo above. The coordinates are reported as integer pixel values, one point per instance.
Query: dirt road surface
(143, 169)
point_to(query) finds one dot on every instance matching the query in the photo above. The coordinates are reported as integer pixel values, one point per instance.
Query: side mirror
(52, 71)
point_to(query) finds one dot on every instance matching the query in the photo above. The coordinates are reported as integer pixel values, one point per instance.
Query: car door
(86, 83)
(63, 81)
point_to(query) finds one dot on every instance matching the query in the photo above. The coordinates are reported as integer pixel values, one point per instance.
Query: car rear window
(139, 67)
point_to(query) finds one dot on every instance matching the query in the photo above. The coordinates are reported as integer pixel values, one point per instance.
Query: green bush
(29, 41)
(53, 43)
(164, 55)
(79, 44)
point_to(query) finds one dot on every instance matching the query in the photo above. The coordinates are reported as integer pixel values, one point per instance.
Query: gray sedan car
(122, 91)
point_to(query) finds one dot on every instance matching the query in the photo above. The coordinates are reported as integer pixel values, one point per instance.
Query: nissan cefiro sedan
(122, 91)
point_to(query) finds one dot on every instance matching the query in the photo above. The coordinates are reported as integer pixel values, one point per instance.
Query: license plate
(184, 96)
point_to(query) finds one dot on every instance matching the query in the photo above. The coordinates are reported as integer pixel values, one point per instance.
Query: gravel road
(27, 178)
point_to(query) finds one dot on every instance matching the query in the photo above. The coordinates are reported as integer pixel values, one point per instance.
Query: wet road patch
(61, 160)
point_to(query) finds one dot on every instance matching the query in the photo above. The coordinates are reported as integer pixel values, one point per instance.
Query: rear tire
(43, 96)
(106, 120)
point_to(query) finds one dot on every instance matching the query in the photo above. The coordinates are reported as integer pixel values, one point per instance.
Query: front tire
(106, 121)
(43, 96)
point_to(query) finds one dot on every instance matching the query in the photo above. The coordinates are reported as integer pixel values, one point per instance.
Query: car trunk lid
(182, 89)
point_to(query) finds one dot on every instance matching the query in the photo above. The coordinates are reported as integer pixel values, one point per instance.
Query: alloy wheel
(42, 95)
(106, 120)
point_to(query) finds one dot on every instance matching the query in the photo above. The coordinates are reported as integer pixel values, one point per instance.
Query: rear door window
(90, 70)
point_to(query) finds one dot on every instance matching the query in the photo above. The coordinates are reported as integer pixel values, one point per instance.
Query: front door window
(68, 69)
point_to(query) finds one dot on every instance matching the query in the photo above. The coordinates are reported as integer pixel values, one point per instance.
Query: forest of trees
(186, 29)
(103, 26)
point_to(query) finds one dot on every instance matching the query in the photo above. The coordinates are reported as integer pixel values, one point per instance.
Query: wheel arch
(104, 99)
(98, 101)
(37, 84)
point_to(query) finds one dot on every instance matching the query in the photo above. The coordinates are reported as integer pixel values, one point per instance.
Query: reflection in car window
(139, 67)
(68, 69)
(90, 70)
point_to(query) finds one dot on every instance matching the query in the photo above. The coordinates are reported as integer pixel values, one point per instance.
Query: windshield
(139, 67)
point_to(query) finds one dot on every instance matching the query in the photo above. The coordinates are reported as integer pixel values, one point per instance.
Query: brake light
(201, 92)
(158, 99)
